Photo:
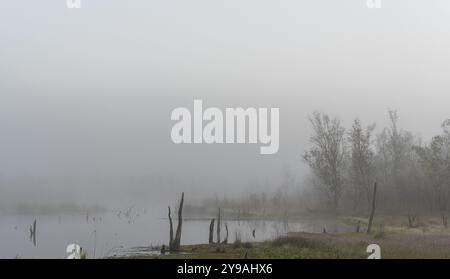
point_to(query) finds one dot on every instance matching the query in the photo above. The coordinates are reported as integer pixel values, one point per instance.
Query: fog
(86, 94)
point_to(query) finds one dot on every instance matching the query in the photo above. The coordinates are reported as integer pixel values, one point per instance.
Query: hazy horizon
(86, 94)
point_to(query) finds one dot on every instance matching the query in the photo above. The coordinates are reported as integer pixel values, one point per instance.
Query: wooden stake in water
(33, 232)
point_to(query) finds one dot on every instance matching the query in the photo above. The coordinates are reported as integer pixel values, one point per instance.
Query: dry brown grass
(393, 245)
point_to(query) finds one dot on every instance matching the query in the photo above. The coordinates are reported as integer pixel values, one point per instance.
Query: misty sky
(86, 94)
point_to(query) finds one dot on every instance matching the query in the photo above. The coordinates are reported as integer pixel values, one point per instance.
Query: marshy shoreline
(396, 239)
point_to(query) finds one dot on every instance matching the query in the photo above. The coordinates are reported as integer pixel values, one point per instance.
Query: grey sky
(86, 95)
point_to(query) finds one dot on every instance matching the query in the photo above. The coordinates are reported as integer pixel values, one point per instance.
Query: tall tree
(327, 156)
(435, 161)
(395, 148)
(361, 163)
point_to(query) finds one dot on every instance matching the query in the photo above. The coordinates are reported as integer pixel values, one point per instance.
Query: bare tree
(361, 162)
(327, 156)
(395, 147)
(435, 160)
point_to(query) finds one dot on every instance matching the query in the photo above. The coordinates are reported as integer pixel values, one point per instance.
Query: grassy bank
(396, 239)
(323, 246)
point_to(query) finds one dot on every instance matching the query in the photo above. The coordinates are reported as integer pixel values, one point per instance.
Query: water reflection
(107, 234)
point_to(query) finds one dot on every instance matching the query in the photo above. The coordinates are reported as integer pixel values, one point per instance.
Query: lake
(114, 233)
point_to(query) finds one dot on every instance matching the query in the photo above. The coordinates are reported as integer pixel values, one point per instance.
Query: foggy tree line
(413, 177)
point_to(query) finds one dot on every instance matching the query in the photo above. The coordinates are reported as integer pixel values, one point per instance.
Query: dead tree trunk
(33, 232)
(285, 222)
(225, 241)
(177, 239)
(218, 227)
(372, 212)
(171, 231)
(174, 242)
(211, 231)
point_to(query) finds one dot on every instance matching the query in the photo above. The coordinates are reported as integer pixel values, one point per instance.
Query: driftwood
(211, 231)
(174, 242)
(372, 212)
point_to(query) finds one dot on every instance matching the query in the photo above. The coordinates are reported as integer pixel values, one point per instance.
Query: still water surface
(109, 234)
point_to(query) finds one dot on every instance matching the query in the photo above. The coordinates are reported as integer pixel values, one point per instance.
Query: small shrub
(239, 244)
(380, 233)
(220, 249)
(295, 242)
